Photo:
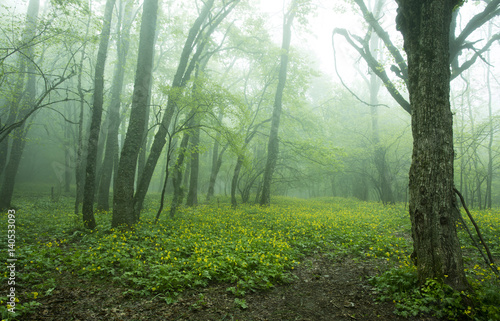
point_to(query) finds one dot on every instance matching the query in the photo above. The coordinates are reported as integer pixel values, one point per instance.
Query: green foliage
(251, 248)
(435, 298)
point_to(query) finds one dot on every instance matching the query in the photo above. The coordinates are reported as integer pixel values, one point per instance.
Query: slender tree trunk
(216, 162)
(141, 161)
(214, 170)
(489, 178)
(234, 181)
(425, 26)
(474, 145)
(192, 196)
(123, 196)
(80, 157)
(111, 148)
(177, 176)
(180, 79)
(182, 76)
(95, 122)
(20, 106)
(273, 145)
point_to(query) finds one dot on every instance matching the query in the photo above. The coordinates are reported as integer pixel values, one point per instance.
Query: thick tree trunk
(425, 26)
(111, 148)
(273, 145)
(123, 196)
(95, 123)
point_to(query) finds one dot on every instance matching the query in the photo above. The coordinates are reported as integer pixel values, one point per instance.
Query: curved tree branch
(375, 66)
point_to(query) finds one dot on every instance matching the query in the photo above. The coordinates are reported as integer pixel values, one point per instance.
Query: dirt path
(322, 290)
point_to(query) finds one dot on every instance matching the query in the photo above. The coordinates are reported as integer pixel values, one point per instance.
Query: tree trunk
(234, 181)
(95, 123)
(177, 176)
(489, 178)
(273, 145)
(20, 106)
(123, 196)
(216, 162)
(425, 26)
(192, 196)
(182, 76)
(114, 111)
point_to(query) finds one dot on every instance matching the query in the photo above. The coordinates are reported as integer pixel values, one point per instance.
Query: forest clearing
(317, 259)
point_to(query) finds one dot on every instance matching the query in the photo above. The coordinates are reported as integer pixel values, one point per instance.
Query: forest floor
(323, 288)
(319, 259)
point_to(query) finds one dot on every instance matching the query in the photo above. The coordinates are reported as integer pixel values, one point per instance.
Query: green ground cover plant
(250, 248)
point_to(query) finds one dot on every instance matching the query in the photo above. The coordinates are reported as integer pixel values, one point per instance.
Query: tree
(458, 44)
(19, 109)
(425, 26)
(273, 145)
(124, 189)
(198, 36)
(95, 125)
(125, 18)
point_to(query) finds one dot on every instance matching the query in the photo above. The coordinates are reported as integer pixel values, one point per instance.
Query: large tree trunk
(114, 110)
(123, 196)
(273, 145)
(425, 26)
(95, 123)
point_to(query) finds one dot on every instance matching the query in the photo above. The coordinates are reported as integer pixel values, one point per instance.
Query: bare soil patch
(322, 289)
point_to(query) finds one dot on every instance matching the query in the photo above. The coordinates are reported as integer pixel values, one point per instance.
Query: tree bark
(425, 26)
(181, 77)
(177, 176)
(114, 111)
(192, 196)
(95, 123)
(489, 178)
(20, 106)
(273, 145)
(123, 196)
(234, 181)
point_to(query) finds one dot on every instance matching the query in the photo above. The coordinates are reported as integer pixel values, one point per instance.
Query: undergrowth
(251, 248)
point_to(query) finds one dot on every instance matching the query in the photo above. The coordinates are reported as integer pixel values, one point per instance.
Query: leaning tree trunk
(425, 26)
(95, 123)
(123, 196)
(273, 145)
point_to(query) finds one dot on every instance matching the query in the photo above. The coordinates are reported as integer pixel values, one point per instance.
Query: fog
(341, 133)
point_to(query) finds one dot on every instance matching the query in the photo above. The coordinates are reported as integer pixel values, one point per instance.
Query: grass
(250, 248)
